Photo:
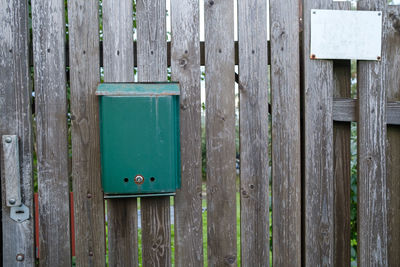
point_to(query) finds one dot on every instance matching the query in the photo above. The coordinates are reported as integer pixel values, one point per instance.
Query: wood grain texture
(16, 118)
(86, 172)
(202, 53)
(254, 165)
(48, 25)
(393, 111)
(152, 67)
(185, 64)
(342, 168)
(345, 109)
(156, 231)
(286, 156)
(122, 232)
(220, 132)
(117, 41)
(392, 80)
(371, 192)
(118, 67)
(318, 138)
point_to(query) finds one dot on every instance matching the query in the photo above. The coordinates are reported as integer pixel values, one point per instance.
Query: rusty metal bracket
(18, 211)
(19, 214)
(12, 170)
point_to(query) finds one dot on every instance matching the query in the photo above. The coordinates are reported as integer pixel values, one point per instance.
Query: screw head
(139, 179)
(8, 140)
(20, 257)
(12, 201)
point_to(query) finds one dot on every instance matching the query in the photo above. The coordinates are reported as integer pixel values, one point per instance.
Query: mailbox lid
(140, 136)
(138, 89)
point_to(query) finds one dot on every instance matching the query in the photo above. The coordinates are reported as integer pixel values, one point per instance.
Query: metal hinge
(18, 211)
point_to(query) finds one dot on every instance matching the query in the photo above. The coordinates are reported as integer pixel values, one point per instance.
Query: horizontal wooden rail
(345, 109)
(202, 54)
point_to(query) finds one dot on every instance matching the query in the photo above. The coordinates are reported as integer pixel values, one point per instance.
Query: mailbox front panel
(140, 138)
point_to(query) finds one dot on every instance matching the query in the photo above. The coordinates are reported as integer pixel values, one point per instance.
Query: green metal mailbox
(139, 138)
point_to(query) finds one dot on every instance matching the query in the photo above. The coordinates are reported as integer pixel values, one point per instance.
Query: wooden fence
(310, 109)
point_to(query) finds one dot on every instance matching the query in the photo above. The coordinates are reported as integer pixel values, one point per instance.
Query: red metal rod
(36, 203)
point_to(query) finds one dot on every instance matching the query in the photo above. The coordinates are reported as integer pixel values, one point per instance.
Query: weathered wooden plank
(202, 53)
(342, 168)
(371, 192)
(393, 112)
(86, 175)
(152, 67)
(318, 138)
(48, 26)
(185, 61)
(118, 67)
(286, 156)
(156, 231)
(345, 109)
(220, 132)
(253, 86)
(117, 39)
(392, 66)
(15, 118)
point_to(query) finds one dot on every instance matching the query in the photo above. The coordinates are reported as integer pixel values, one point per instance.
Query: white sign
(339, 34)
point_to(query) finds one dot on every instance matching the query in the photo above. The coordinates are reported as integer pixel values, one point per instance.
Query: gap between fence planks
(371, 184)
(318, 151)
(392, 85)
(185, 66)
(220, 131)
(15, 119)
(48, 26)
(152, 67)
(118, 67)
(286, 156)
(86, 172)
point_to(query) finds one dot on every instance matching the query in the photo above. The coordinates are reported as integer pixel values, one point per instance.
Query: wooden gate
(297, 121)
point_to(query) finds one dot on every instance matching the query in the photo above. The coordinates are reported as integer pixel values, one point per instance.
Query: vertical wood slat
(392, 67)
(220, 132)
(318, 134)
(253, 88)
(118, 67)
(286, 155)
(152, 67)
(342, 169)
(15, 118)
(185, 66)
(48, 25)
(371, 192)
(86, 176)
